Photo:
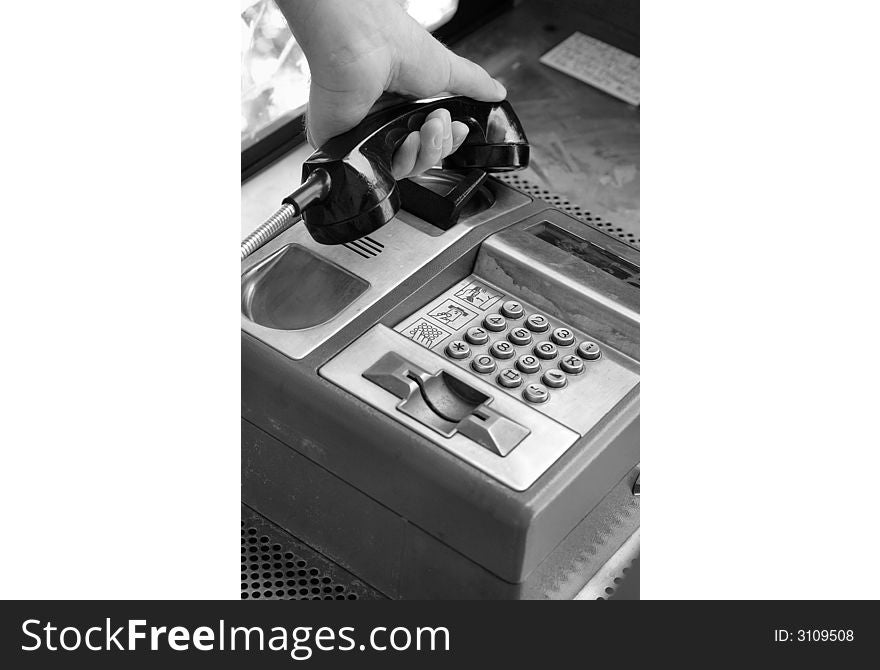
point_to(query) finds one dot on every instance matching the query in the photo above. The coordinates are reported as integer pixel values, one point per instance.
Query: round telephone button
(554, 378)
(458, 349)
(512, 309)
(589, 351)
(528, 364)
(495, 322)
(537, 323)
(483, 364)
(572, 365)
(536, 393)
(546, 350)
(502, 350)
(476, 335)
(510, 378)
(519, 336)
(563, 337)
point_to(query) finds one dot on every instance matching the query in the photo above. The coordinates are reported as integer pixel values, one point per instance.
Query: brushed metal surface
(406, 244)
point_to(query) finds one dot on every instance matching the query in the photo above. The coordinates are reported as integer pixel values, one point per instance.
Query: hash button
(510, 378)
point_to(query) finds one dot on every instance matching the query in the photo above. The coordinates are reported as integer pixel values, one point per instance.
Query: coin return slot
(446, 404)
(450, 398)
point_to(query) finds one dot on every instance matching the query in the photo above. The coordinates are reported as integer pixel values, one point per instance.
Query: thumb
(331, 113)
(468, 78)
(431, 69)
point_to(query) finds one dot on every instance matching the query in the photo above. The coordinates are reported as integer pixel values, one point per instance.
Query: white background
(120, 203)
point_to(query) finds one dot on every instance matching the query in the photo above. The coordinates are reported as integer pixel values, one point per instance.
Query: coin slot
(588, 252)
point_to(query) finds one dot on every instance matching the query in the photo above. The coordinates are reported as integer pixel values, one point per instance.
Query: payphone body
(440, 411)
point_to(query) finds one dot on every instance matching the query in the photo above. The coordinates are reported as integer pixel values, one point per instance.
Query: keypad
(554, 378)
(537, 323)
(571, 364)
(476, 335)
(589, 351)
(536, 393)
(520, 336)
(495, 322)
(483, 364)
(521, 350)
(512, 309)
(510, 378)
(546, 350)
(562, 336)
(502, 349)
(458, 349)
(528, 364)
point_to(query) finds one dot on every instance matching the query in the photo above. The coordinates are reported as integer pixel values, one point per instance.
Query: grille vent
(565, 205)
(275, 566)
(365, 247)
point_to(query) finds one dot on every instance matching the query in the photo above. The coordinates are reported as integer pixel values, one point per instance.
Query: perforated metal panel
(626, 586)
(276, 566)
(557, 201)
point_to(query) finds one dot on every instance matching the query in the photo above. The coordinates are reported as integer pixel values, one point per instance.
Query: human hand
(359, 49)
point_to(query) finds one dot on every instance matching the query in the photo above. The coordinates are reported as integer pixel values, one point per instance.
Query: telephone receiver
(363, 195)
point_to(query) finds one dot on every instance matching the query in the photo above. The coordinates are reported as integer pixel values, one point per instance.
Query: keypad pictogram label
(478, 295)
(450, 313)
(425, 333)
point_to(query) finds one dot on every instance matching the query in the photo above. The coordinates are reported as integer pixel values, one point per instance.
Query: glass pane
(274, 71)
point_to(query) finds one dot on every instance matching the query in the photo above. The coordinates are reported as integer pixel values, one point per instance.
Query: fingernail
(437, 141)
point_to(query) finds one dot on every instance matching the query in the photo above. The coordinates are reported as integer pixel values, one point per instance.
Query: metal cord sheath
(314, 189)
(276, 224)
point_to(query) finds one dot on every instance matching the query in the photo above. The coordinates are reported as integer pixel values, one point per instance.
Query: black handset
(363, 194)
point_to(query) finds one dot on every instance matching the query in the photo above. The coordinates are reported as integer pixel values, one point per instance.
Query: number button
(458, 349)
(483, 364)
(536, 393)
(495, 322)
(502, 350)
(572, 365)
(546, 350)
(519, 336)
(589, 351)
(537, 323)
(510, 378)
(476, 335)
(528, 364)
(512, 309)
(554, 378)
(563, 337)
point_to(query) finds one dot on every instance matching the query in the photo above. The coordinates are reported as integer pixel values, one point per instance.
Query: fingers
(405, 157)
(438, 137)
(431, 148)
(443, 116)
(459, 132)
